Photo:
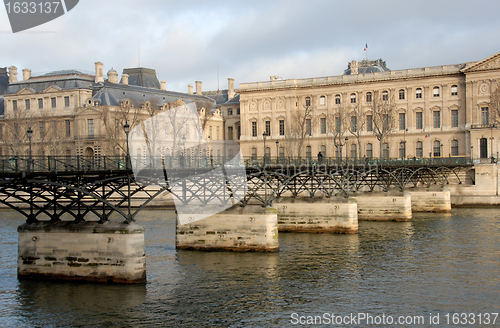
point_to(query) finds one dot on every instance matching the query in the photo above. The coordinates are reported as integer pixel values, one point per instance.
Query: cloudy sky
(250, 40)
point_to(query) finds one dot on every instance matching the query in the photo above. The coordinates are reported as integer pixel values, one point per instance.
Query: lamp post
(128, 166)
(346, 151)
(264, 135)
(277, 149)
(29, 133)
(406, 130)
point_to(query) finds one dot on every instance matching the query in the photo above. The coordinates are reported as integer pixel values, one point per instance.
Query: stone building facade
(443, 111)
(75, 113)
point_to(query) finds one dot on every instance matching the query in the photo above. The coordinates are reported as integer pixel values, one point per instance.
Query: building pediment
(490, 63)
(52, 88)
(26, 91)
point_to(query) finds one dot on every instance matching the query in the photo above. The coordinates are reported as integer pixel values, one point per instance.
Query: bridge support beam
(384, 206)
(87, 251)
(317, 215)
(430, 199)
(243, 229)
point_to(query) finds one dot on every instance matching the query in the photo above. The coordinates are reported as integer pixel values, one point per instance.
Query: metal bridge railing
(107, 163)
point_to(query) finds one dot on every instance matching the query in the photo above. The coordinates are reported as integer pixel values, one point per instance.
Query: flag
(366, 46)
(428, 135)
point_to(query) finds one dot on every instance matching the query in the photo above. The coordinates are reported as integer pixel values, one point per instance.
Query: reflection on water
(435, 263)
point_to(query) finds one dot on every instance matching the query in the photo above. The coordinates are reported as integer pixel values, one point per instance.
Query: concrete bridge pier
(392, 205)
(433, 199)
(87, 251)
(317, 215)
(242, 229)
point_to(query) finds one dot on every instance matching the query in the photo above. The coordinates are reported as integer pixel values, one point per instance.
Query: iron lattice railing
(112, 163)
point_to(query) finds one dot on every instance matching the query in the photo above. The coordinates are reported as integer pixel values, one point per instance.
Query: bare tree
(14, 131)
(302, 122)
(337, 124)
(384, 120)
(357, 124)
(114, 118)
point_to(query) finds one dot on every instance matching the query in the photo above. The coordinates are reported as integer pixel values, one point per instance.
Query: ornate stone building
(370, 111)
(75, 113)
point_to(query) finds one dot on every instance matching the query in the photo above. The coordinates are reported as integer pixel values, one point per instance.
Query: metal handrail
(107, 163)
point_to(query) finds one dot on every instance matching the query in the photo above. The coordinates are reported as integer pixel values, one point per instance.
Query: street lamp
(126, 128)
(406, 130)
(277, 154)
(128, 165)
(29, 132)
(264, 135)
(346, 153)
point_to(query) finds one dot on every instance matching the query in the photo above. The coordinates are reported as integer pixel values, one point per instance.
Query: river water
(436, 264)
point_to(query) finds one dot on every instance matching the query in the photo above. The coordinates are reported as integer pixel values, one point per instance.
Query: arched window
(353, 98)
(401, 94)
(419, 149)
(402, 149)
(454, 148)
(354, 151)
(385, 95)
(322, 100)
(418, 93)
(254, 153)
(282, 152)
(435, 92)
(308, 152)
(337, 99)
(454, 90)
(369, 151)
(268, 152)
(308, 101)
(368, 97)
(385, 150)
(437, 148)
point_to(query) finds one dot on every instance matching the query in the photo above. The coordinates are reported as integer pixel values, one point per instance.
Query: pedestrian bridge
(72, 188)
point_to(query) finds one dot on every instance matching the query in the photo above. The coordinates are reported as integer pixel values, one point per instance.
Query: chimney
(198, 87)
(190, 89)
(26, 74)
(163, 85)
(99, 75)
(230, 88)
(112, 76)
(12, 74)
(125, 79)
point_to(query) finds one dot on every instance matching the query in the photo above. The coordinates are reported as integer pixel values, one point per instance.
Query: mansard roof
(368, 66)
(2, 109)
(112, 94)
(65, 80)
(4, 80)
(142, 77)
(221, 97)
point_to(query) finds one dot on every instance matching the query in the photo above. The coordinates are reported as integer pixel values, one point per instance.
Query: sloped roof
(221, 97)
(111, 94)
(65, 80)
(142, 77)
(2, 109)
(4, 80)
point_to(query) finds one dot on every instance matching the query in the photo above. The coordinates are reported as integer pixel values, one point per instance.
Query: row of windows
(369, 122)
(55, 131)
(436, 92)
(436, 150)
(53, 102)
(230, 111)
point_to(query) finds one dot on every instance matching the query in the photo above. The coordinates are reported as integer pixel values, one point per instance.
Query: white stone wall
(249, 228)
(337, 215)
(109, 252)
(384, 206)
(430, 199)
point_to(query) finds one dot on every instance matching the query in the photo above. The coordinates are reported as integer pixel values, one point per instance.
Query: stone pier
(317, 215)
(431, 199)
(384, 206)
(243, 229)
(88, 251)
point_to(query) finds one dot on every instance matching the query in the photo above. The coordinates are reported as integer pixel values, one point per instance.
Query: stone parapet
(250, 228)
(384, 206)
(89, 251)
(317, 215)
